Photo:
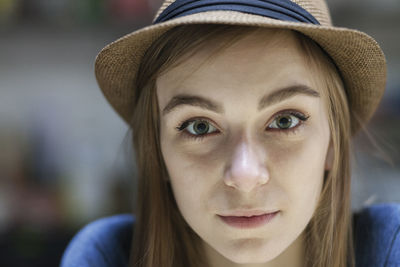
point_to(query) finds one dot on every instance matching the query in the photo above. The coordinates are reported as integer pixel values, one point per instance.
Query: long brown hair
(161, 235)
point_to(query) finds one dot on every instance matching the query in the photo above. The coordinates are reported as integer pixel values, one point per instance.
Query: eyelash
(302, 118)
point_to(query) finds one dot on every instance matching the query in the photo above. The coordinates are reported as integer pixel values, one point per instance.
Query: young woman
(242, 115)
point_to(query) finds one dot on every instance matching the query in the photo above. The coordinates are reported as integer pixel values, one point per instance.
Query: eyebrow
(267, 100)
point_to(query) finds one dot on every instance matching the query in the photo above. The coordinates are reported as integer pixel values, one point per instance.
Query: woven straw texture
(358, 57)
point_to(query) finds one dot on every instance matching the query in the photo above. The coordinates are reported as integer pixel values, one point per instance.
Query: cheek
(299, 169)
(191, 179)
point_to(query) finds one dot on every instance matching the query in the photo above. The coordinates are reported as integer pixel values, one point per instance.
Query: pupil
(201, 127)
(284, 122)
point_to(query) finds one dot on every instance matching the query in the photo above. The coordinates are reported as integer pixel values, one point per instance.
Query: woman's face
(246, 133)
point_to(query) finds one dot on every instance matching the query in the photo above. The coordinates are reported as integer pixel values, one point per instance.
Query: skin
(242, 162)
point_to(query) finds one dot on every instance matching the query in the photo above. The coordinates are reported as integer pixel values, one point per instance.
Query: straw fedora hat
(358, 57)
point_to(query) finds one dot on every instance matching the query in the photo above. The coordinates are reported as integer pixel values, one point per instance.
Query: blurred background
(66, 156)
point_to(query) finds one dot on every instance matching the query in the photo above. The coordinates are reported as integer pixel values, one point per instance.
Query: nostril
(246, 181)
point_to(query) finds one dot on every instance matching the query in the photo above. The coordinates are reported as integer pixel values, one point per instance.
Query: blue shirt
(106, 242)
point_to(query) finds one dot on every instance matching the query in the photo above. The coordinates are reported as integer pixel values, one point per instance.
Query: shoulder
(377, 235)
(101, 243)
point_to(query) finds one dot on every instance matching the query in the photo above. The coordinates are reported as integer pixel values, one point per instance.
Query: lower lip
(248, 222)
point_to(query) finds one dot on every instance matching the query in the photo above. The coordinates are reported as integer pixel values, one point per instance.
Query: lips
(248, 219)
(247, 213)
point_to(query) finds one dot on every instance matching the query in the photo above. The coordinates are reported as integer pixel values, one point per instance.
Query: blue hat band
(284, 10)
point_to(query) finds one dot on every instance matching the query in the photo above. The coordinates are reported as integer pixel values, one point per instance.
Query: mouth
(249, 220)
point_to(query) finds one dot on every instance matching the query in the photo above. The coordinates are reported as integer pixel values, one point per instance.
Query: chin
(250, 252)
(250, 259)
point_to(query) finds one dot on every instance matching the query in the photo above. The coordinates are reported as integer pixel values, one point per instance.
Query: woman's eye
(287, 121)
(197, 127)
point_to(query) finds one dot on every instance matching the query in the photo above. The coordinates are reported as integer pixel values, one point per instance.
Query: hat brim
(358, 57)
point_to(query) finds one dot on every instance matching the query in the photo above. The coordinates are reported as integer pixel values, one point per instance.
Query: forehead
(262, 59)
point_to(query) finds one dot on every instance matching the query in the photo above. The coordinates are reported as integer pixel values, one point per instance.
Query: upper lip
(247, 213)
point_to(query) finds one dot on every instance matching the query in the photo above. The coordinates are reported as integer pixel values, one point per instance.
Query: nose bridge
(246, 169)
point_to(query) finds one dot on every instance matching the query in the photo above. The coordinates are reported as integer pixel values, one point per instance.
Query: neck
(293, 256)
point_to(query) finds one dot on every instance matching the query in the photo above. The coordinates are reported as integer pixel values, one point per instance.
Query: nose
(246, 170)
